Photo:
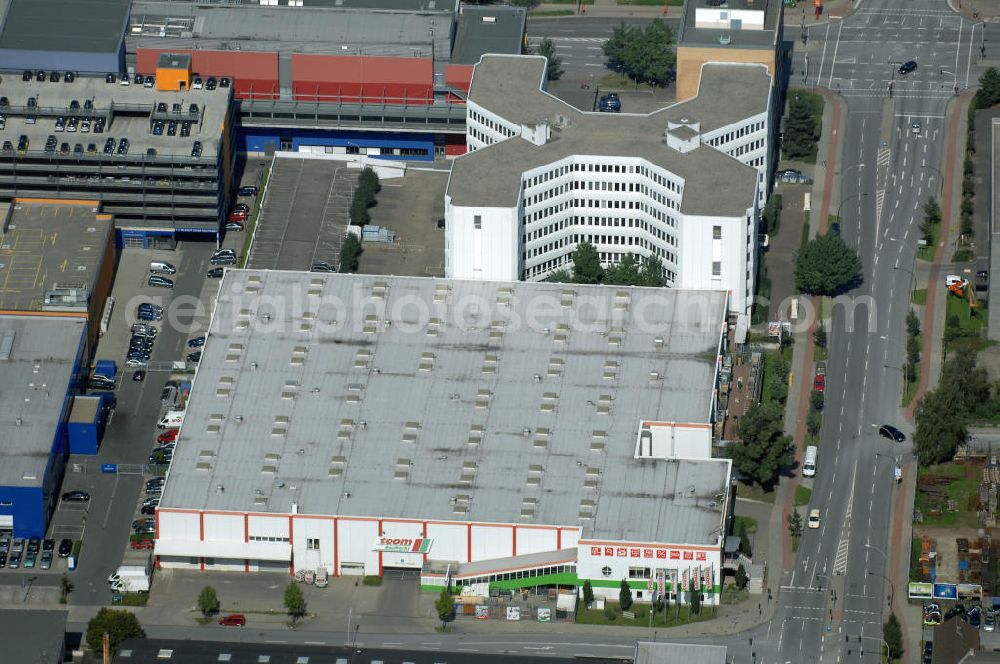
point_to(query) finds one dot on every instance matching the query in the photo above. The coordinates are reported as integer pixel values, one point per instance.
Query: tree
(814, 422)
(816, 400)
(741, 578)
(616, 45)
(745, 545)
(208, 601)
(694, 596)
(625, 595)
(368, 183)
(588, 593)
(645, 55)
(294, 601)
(772, 214)
(763, 447)
(118, 624)
(893, 635)
(826, 266)
(795, 523)
(801, 129)
(554, 69)
(652, 272)
(912, 323)
(445, 606)
(626, 273)
(530, 4)
(989, 89)
(359, 212)
(65, 588)
(562, 276)
(587, 265)
(350, 251)
(942, 416)
(819, 336)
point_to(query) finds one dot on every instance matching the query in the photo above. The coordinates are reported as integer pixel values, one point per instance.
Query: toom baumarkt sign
(402, 545)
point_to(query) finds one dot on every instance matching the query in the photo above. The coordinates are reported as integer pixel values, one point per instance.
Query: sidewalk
(832, 10)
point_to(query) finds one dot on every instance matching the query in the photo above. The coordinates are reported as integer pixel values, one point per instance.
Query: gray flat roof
(647, 652)
(213, 106)
(286, 29)
(94, 26)
(36, 378)
(33, 635)
(45, 244)
(361, 395)
(690, 34)
(489, 29)
(510, 86)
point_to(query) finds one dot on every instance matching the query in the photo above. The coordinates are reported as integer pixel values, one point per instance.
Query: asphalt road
(579, 40)
(889, 168)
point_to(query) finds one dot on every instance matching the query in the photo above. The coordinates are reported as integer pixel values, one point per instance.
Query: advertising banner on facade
(482, 612)
(513, 613)
(969, 591)
(402, 545)
(544, 615)
(918, 590)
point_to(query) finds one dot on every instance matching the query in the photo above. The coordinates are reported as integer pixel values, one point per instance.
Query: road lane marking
(826, 40)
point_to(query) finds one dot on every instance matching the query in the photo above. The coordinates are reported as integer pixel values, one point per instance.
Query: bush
(208, 601)
(588, 593)
(372, 580)
(609, 612)
(741, 578)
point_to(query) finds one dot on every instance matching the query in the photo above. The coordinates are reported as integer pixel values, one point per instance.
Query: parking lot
(411, 207)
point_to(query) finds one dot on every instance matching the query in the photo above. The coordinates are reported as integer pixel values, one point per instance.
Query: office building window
(477, 222)
(716, 268)
(716, 232)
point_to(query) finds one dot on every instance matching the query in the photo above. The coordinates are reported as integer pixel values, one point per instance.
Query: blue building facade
(378, 145)
(29, 490)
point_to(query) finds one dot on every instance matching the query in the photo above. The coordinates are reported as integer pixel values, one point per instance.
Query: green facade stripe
(560, 579)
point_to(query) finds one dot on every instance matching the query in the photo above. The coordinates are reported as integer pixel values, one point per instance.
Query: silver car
(46, 560)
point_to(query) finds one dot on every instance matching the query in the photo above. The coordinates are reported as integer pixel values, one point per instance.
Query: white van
(172, 420)
(160, 267)
(809, 461)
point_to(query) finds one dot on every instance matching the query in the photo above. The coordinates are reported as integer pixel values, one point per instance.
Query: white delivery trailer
(131, 584)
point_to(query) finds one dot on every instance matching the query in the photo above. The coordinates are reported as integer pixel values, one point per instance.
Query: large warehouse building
(683, 184)
(43, 364)
(481, 432)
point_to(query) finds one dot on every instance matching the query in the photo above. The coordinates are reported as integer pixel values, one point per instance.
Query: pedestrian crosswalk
(840, 562)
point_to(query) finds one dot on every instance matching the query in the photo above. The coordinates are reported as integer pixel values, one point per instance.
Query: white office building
(684, 184)
(508, 434)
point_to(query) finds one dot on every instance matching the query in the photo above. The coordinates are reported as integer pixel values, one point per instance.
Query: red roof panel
(256, 65)
(361, 69)
(459, 76)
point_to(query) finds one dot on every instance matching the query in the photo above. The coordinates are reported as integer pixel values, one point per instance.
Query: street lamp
(849, 198)
(892, 586)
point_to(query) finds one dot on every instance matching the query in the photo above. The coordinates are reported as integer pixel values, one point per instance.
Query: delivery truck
(172, 420)
(131, 584)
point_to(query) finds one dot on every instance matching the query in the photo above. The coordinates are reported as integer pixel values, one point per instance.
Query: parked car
(140, 544)
(35, 544)
(139, 376)
(48, 544)
(65, 547)
(46, 560)
(223, 259)
(160, 282)
(197, 342)
(76, 497)
(194, 358)
(215, 273)
(147, 509)
(892, 433)
(975, 617)
(248, 190)
(168, 436)
(233, 620)
(819, 382)
(135, 363)
(610, 103)
(928, 652)
(237, 216)
(321, 266)
(990, 623)
(30, 558)
(241, 207)
(14, 561)
(234, 226)
(3, 558)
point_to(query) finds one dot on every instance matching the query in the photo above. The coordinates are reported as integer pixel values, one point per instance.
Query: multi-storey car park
(511, 434)
(156, 159)
(683, 184)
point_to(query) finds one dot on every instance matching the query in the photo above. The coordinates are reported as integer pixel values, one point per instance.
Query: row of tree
(643, 54)
(964, 394)
(364, 196)
(630, 271)
(802, 131)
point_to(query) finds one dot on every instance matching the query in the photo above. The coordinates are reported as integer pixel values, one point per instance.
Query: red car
(168, 436)
(239, 215)
(819, 383)
(142, 544)
(234, 620)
